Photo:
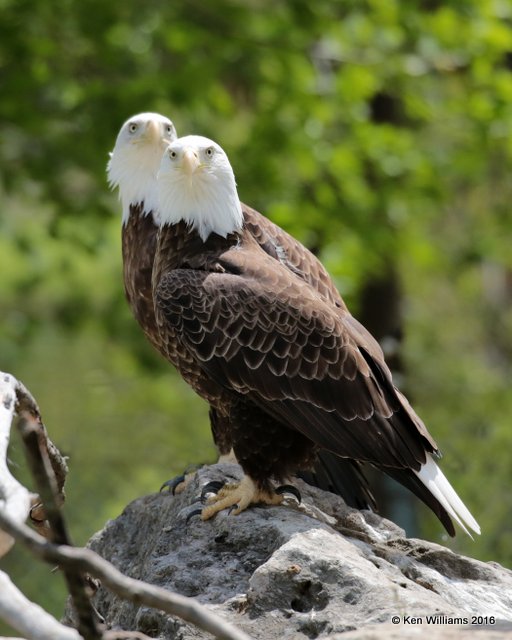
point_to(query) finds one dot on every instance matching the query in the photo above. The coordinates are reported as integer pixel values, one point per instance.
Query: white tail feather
(436, 482)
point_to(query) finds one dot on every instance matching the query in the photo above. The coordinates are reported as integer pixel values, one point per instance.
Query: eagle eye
(209, 152)
(172, 154)
(169, 128)
(132, 127)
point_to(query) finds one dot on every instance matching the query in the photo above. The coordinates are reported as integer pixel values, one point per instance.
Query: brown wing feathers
(258, 332)
(276, 341)
(292, 254)
(139, 242)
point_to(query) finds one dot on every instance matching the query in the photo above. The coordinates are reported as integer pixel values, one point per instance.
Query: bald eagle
(298, 373)
(133, 168)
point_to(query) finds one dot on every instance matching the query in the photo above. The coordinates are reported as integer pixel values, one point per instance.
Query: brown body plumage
(228, 308)
(138, 245)
(139, 234)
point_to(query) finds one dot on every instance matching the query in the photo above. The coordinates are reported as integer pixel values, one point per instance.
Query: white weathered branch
(23, 615)
(29, 618)
(14, 498)
(49, 470)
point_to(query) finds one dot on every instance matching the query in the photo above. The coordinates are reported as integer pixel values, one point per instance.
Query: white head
(196, 184)
(135, 160)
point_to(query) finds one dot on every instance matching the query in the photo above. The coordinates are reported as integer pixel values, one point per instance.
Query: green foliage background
(377, 132)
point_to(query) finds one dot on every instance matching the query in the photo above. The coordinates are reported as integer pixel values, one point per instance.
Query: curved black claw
(173, 483)
(289, 488)
(195, 512)
(211, 487)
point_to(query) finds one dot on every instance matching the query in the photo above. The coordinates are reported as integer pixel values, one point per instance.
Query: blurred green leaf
(379, 133)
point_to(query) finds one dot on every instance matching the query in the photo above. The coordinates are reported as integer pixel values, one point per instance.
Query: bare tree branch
(14, 498)
(23, 615)
(29, 618)
(37, 449)
(85, 560)
(27, 406)
(49, 471)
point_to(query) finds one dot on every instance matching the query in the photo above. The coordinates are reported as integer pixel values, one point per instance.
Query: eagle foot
(194, 512)
(211, 487)
(179, 483)
(289, 488)
(237, 497)
(214, 486)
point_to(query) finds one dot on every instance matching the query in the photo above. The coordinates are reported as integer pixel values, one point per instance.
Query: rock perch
(318, 570)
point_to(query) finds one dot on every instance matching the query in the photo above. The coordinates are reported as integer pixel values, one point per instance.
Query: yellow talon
(242, 495)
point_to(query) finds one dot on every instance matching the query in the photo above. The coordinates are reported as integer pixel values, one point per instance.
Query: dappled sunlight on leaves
(378, 133)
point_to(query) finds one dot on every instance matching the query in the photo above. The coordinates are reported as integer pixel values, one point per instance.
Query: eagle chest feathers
(181, 261)
(204, 301)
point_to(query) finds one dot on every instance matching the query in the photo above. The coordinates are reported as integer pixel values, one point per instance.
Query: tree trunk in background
(380, 311)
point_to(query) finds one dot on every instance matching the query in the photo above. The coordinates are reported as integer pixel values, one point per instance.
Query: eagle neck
(139, 230)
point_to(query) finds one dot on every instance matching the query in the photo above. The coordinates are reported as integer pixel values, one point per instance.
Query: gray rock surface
(318, 570)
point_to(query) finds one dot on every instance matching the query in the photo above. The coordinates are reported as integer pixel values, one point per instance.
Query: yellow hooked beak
(190, 161)
(153, 131)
